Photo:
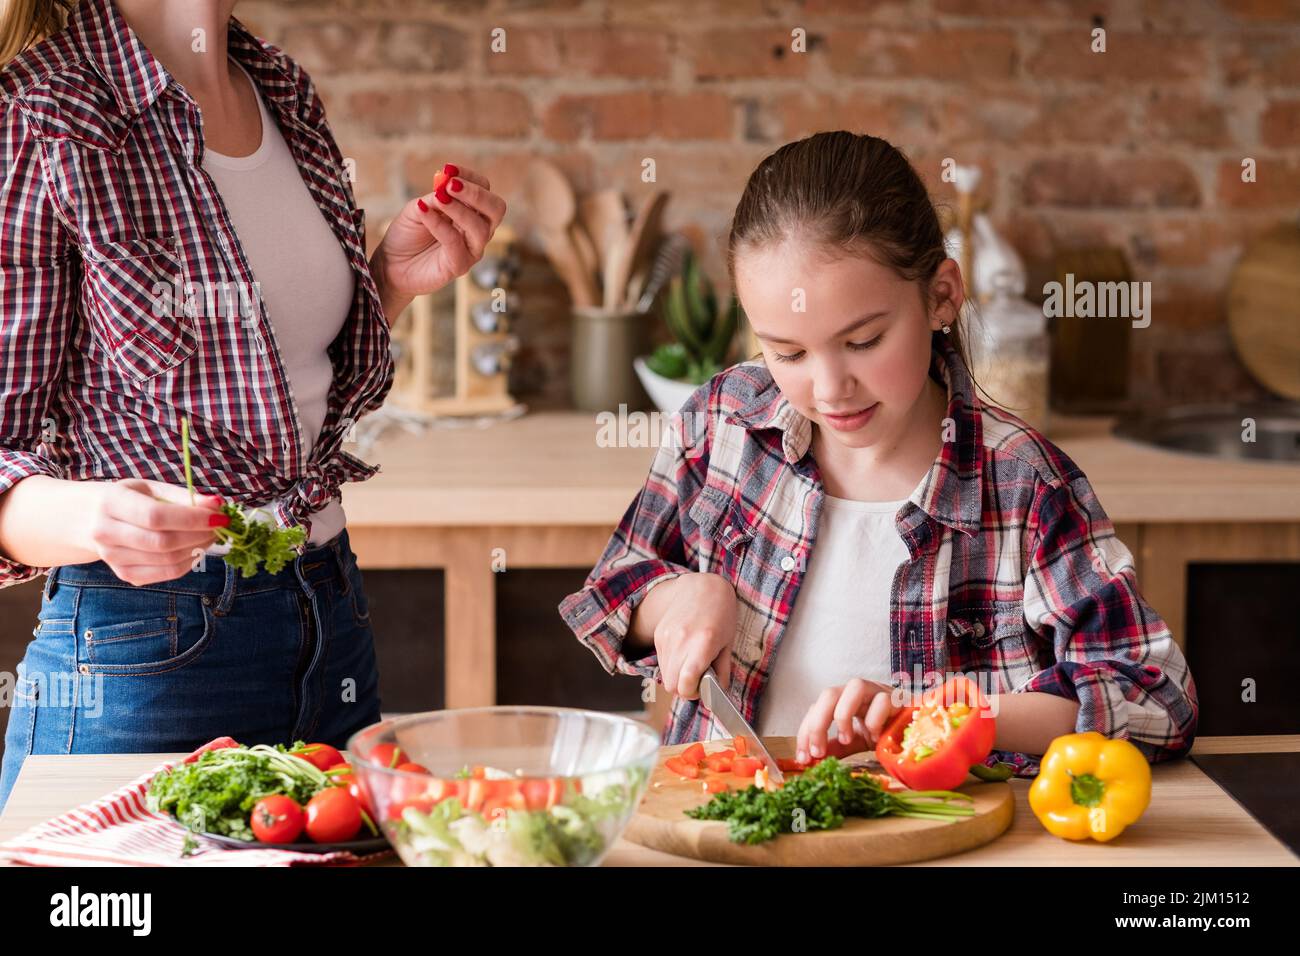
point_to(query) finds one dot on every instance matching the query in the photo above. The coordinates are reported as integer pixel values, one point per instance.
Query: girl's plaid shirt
(1015, 575)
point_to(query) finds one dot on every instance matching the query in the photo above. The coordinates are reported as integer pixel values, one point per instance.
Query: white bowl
(668, 394)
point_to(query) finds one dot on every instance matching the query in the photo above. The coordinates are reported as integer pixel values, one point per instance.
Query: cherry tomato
(411, 767)
(321, 756)
(333, 816)
(277, 819)
(350, 783)
(387, 755)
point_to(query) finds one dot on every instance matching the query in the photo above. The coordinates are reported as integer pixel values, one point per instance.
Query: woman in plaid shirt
(950, 536)
(149, 146)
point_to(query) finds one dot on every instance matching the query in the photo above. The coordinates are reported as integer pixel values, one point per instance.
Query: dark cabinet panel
(1242, 626)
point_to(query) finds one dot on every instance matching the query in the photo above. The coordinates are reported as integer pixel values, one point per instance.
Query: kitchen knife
(715, 700)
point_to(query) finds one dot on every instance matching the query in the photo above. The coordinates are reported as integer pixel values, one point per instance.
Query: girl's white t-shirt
(839, 627)
(301, 270)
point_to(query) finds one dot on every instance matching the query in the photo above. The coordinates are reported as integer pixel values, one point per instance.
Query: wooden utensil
(559, 248)
(642, 240)
(551, 198)
(661, 824)
(604, 215)
(587, 253)
(1264, 310)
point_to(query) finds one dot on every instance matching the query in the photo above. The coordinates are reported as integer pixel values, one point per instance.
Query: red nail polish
(451, 170)
(218, 521)
(457, 185)
(442, 197)
(424, 207)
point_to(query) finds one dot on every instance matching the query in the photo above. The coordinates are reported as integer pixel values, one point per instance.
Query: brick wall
(1140, 146)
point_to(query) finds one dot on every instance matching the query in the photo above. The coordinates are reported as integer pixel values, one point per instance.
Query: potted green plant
(703, 335)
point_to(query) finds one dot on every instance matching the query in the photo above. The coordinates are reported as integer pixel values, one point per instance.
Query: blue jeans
(166, 667)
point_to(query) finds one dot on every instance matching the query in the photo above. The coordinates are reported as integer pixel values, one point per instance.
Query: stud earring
(947, 330)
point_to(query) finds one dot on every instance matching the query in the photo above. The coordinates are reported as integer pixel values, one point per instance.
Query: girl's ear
(947, 293)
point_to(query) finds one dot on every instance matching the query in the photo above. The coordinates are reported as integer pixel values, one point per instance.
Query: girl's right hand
(696, 630)
(147, 531)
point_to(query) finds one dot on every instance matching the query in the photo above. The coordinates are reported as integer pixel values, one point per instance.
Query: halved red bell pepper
(954, 728)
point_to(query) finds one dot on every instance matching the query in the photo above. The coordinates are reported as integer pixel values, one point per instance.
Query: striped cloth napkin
(118, 830)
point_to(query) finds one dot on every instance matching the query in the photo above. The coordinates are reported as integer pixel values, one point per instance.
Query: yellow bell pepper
(1090, 785)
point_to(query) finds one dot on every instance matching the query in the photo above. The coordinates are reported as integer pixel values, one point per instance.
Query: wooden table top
(558, 469)
(1191, 820)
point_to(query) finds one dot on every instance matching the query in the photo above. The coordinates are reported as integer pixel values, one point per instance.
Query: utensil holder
(603, 346)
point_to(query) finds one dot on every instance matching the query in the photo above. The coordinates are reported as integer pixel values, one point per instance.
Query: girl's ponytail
(24, 22)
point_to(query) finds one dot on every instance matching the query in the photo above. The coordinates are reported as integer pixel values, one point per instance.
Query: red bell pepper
(932, 745)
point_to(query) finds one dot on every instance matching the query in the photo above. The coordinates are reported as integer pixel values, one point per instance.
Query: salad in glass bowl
(504, 786)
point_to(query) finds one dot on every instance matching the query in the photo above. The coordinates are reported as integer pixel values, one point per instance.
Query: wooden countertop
(1191, 820)
(547, 469)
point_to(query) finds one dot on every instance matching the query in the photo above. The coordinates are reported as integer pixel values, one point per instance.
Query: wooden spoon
(605, 216)
(587, 253)
(551, 198)
(641, 242)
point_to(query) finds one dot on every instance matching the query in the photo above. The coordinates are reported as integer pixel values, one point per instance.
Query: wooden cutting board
(661, 824)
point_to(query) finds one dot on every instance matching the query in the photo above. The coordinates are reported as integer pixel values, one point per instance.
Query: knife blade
(714, 698)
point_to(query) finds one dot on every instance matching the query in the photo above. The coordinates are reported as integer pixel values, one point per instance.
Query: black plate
(359, 847)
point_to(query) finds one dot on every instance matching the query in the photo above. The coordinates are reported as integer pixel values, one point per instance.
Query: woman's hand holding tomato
(438, 236)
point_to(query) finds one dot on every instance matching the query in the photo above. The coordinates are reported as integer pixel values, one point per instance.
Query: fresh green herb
(216, 793)
(252, 542)
(825, 795)
(257, 542)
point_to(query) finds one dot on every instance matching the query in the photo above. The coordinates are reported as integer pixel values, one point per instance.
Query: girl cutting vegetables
(844, 523)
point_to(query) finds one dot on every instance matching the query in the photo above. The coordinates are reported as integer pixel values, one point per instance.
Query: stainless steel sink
(1218, 430)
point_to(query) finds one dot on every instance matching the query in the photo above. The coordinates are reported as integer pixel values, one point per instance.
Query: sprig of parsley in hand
(252, 542)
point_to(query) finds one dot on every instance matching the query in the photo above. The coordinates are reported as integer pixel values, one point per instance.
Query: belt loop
(336, 549)
(51, 580)
(227, 597)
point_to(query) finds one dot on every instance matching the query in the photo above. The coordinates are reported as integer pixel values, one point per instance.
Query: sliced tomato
(718, 763)
(681, 768)
(745, 766)
(477, 794)
(741, 745)
(542, 794)
(693, 754)
(424, 803)
(715, 785)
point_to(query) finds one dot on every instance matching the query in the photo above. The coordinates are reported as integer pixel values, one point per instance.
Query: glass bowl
(504, 786)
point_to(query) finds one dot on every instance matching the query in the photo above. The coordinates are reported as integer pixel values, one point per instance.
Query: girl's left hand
(430, 242)
(860, 710)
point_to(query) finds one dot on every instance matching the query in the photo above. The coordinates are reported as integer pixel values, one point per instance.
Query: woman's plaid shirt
(126, 300)
(1015, 575)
